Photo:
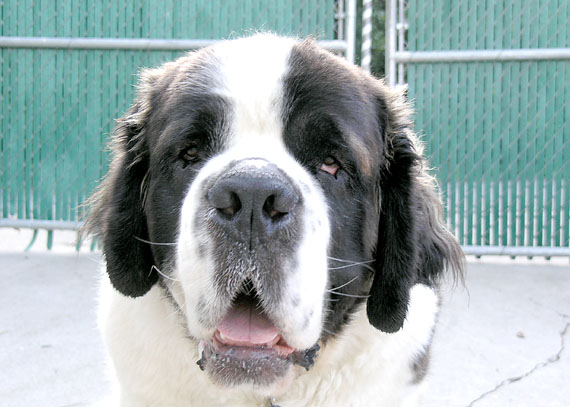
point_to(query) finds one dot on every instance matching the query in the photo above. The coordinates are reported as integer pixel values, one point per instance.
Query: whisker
(327, 331)
(153, 243)
(344, 285)
(350, 261)
(178, 308)
(348, 295)
(364, 264)
(177, 311)
(162, 274)
(368, 267)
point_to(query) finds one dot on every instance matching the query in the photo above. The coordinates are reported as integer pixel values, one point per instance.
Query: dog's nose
(253, 201)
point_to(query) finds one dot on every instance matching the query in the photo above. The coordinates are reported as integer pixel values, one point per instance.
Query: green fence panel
(497, 133)
(58, 106)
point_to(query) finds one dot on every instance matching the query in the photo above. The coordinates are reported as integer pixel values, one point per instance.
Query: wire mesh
(497, 133)
(57, 106)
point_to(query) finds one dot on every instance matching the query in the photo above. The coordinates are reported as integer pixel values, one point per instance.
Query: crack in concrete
(553, 359)
(548, 307)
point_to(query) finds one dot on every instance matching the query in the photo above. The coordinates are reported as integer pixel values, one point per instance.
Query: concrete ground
(502, 341)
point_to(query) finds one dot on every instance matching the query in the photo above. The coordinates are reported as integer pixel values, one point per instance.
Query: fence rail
(41, 224)
(502, 55)
(128, 43)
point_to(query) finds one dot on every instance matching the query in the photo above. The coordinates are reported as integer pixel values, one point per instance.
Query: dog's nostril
(226, 202)
(233, 207)
(269, 209)
(273, 210)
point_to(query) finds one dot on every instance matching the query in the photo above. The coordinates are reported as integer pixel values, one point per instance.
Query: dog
(271, 234)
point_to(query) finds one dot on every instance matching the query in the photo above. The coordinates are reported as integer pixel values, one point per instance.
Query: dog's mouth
(246, 326)
(248, 348)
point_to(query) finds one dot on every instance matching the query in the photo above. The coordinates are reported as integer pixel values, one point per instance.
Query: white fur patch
(156, 362)
(255, 90)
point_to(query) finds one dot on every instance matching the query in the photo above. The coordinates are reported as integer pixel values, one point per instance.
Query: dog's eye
(190, 154)
(330, 165)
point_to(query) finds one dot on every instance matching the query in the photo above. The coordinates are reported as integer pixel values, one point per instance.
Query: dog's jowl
(270, 234)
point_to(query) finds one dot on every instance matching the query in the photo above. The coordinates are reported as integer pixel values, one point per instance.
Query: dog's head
(270, 188)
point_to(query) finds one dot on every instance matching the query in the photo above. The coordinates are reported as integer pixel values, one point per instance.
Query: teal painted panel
(57, 114)
(461, 24)
(499, 140)
(204, 19)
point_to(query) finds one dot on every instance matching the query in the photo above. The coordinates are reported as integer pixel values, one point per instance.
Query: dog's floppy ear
(397, 246)
(117, 215)
(413, 244)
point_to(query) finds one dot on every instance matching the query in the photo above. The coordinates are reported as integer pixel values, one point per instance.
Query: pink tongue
(244, 325)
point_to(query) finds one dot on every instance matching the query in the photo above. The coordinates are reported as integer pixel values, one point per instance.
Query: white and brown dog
(270, 234)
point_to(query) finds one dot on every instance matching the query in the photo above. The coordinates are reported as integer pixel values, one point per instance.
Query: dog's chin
(269, 369)
(231, 366)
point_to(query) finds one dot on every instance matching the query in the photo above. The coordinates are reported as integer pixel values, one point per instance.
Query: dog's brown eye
(330, 165)
(190, 154)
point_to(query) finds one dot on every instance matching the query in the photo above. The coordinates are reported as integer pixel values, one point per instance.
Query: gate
(491, 86)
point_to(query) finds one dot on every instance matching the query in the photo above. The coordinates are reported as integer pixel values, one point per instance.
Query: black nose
(253, 202)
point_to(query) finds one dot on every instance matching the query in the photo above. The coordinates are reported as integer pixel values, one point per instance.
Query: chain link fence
(491, 87)
(68, 68)
(490, 82)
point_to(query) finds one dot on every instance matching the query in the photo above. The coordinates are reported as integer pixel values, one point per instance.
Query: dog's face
(271, 189)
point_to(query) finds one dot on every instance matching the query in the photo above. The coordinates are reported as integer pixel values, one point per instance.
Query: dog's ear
(413, 244)
(395, 269)
(117, 207)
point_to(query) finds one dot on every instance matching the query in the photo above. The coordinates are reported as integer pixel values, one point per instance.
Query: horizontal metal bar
(531, 54)
(469, 250)
(40, 224)
(102, 43)
(516, 251)
(126, 43)
(333, 45)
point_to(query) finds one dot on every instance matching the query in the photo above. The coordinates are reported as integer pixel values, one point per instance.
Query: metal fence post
(350, 30)
(391, 6)
(366, 35)
(401, 27)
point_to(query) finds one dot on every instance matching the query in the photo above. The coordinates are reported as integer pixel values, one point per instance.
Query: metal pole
(531, 54)
(366, 35)
(125, 43)
(391, 42)
(40, 224)
(469, 250)
(333, 45)
(340, 18)
(102, 43)
(517, 251)
(401, 43)
(350, 30)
